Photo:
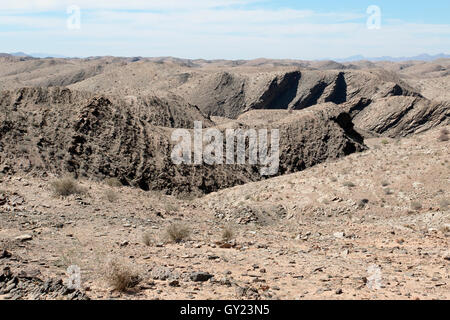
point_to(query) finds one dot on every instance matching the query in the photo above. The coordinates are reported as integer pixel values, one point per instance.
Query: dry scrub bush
(111, 195)
(147, 239)
(444, 135)
(66, 186)
(113, 182)
(227, 234)
(349, 184)
(171, 208)
(120, 277)
(415, 205)
(177, 232)
(444, 204)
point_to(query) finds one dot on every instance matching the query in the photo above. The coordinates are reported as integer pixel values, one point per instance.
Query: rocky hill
(114, 117)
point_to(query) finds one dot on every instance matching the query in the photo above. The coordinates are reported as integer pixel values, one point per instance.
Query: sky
(226, 29)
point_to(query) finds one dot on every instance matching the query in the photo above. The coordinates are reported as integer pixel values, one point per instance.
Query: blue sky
(229, 29)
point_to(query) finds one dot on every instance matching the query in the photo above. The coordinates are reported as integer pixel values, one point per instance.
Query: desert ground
(360, 207)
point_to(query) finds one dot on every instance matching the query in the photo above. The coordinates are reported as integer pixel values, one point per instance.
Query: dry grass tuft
(120, 277)
(349, 184)
(111, 195)
(113, 182)
(227, 233)
(444, 204)
(177, 232)
(66, 186)
(444, 136)
(415, 205)
(171, 208)
(147, 239)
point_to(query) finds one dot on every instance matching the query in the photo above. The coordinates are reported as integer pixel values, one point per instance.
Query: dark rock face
(230, 94)
(100, 137)
(200, 276)
(27, 286)
(398, 116)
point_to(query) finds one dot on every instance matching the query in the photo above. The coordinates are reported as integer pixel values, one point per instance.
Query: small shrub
(66, 186)
(147, 239)
(172, 208)
(444, 204)
(384, 141)
(349, 184)
(227, 234)
(113, 182)
(445, 132)
(121, 277)
(111, 195)
(415, 205)
(444, 135)
(177, 232)
(23, 149)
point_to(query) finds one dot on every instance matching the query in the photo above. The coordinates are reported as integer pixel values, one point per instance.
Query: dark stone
(200, 276)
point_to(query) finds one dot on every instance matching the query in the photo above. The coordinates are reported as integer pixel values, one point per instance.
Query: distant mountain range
(37, 55)
(422, 57)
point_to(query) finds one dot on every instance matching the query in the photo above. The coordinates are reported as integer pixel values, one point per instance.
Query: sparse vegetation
(120, 277)
(444, 204)
(66, 186)
(415, 205)
(384, 141)
(227, 233)
(444, 136)
(113, 182)
(178, 232)
(111, 195)
(349, 184)
(171, 208)
(147, 239)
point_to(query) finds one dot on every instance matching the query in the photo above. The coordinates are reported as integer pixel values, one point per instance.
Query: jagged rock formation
(398, 116)
(115, 116)
(101, 137)
(229, 94)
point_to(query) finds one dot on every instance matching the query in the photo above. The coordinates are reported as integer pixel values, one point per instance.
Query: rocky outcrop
(230, 94)
(398, 116)
(26, 286)
(100, 137)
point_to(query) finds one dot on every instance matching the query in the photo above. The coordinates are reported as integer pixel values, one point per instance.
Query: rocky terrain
(359, 209)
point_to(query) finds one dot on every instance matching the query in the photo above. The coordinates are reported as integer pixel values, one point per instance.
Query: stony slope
(308, 235)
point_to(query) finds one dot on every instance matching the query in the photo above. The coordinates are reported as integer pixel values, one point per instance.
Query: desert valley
(359, 208)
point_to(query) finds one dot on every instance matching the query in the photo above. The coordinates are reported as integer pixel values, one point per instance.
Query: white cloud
(198, 29)
(46, 5)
